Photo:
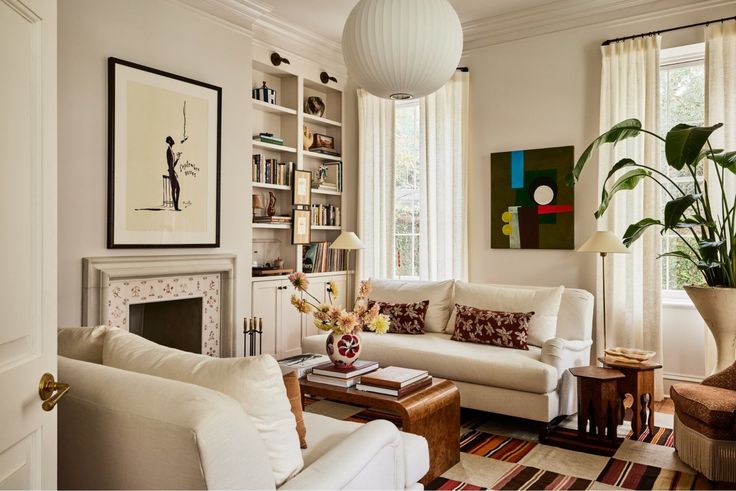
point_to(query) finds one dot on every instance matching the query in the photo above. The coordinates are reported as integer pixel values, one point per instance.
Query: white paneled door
(28, 253)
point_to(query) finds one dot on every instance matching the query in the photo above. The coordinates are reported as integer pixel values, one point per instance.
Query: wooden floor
(666, 406)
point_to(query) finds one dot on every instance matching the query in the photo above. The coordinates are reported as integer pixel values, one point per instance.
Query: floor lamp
(604, 242)
(348, 241)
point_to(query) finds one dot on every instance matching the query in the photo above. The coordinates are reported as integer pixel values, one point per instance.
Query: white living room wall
(163, 35)
(543, 92)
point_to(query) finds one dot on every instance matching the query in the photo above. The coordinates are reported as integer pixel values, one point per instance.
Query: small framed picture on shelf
(302, 188)
(301, 231)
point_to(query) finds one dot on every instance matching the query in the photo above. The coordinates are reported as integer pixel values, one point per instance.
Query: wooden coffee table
(432, 412)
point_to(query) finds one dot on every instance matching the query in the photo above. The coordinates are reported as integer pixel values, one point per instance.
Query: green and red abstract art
(531, 205)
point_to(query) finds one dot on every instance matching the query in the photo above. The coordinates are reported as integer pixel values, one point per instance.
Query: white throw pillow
(255, 382)
(544, 302)
(439, 294)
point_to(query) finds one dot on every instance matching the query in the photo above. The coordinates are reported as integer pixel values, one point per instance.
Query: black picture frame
(212, 236)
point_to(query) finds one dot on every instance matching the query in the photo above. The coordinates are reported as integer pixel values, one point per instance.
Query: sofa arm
(564, 354)
(372, 457)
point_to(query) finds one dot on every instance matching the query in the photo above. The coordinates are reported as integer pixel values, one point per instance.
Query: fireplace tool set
(252, 336)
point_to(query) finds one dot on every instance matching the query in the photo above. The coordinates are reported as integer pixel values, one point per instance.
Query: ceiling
(326, 17)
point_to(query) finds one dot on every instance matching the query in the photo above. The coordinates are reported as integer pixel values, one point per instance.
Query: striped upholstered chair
(705, 424)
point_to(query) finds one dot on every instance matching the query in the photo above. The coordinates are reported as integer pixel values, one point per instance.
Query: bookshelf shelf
(275, 148)
(265, 185)
(326, 227)
(328, 192)
(321, 156)
(283, 226)
(311, 118)
(272, 108)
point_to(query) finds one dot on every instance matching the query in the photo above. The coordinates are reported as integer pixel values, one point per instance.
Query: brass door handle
(50, 391)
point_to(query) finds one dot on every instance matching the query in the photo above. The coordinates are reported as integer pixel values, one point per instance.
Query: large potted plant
(704, 221)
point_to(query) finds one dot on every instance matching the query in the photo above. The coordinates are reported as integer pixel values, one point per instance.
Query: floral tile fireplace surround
(111, 284)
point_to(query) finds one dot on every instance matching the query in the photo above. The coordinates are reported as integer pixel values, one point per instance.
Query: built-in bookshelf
(285, 121)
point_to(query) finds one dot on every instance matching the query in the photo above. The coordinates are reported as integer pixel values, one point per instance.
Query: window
(406, 190)
(682, 100)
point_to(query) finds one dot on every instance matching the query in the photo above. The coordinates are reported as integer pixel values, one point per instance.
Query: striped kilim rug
(498, 452)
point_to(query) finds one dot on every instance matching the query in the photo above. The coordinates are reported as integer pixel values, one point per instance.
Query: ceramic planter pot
(717, 306)
(343, 349)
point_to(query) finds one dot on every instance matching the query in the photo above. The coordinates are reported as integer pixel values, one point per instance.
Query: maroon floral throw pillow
(406, 318)
(505, 329)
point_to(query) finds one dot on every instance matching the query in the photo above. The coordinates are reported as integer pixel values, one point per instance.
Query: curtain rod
(653, 33)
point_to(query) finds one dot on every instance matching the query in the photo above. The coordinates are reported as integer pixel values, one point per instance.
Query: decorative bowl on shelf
(628, 355)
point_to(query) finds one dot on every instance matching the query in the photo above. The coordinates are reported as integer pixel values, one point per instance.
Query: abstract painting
(531, 205)
(164, 159)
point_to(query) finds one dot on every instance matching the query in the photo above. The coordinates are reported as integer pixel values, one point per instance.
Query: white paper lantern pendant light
(402, 49)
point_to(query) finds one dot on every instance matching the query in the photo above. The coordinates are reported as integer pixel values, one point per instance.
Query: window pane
(406, 189)
(682, 100)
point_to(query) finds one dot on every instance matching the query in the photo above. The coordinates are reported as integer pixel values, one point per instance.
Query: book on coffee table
(407, 389)
(360, 367)
(394, 377)
(337, 382)
(301, 364)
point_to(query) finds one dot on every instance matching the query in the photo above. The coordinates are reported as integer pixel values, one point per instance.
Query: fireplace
(185, 301)
(173, 323)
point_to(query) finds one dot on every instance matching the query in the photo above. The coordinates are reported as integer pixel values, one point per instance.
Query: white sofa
(120, 429)
(533, 384)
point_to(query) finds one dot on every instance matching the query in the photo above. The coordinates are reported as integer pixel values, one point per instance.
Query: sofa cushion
(439, 294)
(81, 343)
(464, 362)
(325, 433)
(256, 382)
(405, 318)
(544, 302)
(711, 405)
(505, 329)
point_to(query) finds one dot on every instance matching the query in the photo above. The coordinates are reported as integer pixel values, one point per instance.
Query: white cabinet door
(342, 291)
(289, 330)
(318, 288)
(28, 434)
(266, 305)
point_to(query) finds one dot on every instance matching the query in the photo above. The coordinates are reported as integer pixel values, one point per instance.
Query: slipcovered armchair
(705, 424)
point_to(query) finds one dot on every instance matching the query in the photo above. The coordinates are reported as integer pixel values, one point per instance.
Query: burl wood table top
(420, 401)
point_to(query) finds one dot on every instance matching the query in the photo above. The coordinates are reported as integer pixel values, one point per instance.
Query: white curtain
(630, 89)
(720, 107)
(443, 228)
(375, 186)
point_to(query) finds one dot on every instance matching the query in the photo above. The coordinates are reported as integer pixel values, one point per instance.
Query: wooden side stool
(598, 402)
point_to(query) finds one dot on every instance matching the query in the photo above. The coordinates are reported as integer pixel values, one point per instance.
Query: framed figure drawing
(163, 159)
(302, 188)
(301, 227)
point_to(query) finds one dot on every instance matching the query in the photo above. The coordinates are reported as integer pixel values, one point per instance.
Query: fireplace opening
(173, 323)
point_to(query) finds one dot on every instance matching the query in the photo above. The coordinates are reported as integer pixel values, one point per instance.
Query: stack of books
(302, 364)
(269, 138)
(273, 219)
(395, 381)
(329, 374)
(326, 215)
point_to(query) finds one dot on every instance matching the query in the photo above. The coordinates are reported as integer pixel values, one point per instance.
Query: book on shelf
(360, 367)
(326, 215)
(271, 171)
(302, 364)
(394, 377)
(408, 389)
(273, 219)
(325, 151)
(319, 258)
(337, 382)
(269, 138)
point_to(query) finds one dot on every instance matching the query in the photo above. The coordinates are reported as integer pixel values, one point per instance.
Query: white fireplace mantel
(99, 272)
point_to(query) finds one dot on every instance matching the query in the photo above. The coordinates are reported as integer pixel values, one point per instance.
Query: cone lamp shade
(604, 241)
(402, 49)
(347, 241)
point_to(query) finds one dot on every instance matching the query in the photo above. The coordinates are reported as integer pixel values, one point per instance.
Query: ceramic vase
(343, 349)
(717, 306)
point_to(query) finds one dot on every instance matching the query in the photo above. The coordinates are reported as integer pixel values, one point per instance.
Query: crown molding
(564, 15)
(239, 15)
(273, 32)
